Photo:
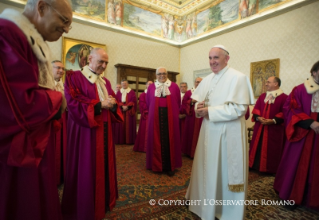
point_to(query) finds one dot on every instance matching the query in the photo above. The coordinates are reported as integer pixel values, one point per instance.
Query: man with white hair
(163, 150)
(29, 107)
(90, 186)
(220, 168)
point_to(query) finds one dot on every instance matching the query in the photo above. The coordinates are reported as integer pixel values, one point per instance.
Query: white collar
(127, 90)
(90, 76)
(167, 83)
(311, 85)
(221, 72)
(274, 93)
(145, 90)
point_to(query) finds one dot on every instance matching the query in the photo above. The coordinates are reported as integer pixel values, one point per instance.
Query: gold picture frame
(259, 73)
(75, 52)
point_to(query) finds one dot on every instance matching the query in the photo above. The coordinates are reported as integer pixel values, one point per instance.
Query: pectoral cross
(206, 101)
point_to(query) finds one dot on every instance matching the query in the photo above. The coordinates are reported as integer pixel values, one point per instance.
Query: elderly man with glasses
(163, 150)
(29, 106)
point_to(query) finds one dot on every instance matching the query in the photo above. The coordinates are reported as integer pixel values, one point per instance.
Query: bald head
(197, 81)
(273, 83)
(98, 60)
(117, 87)
(51, 18)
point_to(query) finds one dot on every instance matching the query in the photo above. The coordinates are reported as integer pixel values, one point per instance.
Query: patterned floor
(137, 186)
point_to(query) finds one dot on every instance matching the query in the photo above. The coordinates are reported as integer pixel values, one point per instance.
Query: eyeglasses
(161, 74)
(64, 19)
(59, 68)
(197, 81)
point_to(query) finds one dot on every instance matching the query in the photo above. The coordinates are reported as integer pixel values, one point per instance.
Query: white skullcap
(221, 47)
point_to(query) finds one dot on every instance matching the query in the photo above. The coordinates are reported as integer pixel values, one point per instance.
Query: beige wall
(293, 37)
(121, 48)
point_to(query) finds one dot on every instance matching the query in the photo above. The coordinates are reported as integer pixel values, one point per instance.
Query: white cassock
(220, 167)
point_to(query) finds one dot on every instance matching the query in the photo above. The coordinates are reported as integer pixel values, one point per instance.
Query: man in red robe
(140, 142)
(268, 140)
(163, 153)
(90, 185)
(29, 106)
(297, 177)
(60, 135)
(192, 123)
(126, 131)
(182, 113)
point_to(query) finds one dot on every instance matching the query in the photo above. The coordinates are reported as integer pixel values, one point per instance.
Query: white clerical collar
(91, 76)
(145, 90)
(272, 95)
(161, 89)
(311, 85)
(127, 90)
(167, 83)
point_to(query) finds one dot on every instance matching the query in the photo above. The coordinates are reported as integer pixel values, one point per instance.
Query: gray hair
(161, 68)
(183, 83)
(95, 50)
(56, 61)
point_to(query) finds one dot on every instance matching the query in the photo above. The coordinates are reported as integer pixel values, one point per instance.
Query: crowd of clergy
(55, 133)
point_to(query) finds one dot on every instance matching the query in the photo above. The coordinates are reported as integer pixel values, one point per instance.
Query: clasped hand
(201, 110)
(109, 102)
(265, 121)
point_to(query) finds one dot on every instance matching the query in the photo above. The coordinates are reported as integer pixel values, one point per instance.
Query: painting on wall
(259, 73)
(142, 20)
(91, 9)
(267, 3)
(75, 53)
(247, 8)
(215, 16)
(115, 12)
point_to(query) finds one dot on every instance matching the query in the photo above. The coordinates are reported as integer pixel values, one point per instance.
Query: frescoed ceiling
(176, 7)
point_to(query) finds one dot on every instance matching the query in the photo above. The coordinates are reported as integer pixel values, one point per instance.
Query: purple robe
(126, 131)
(140, 142)
(268, 140)
(90, 185)
(192, 126)
(293, 166)
(172, 102)
(27, 163)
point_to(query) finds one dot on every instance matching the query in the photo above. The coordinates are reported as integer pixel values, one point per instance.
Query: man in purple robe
(297, 176)
(182, 114)
(163, 101)
(60, 136)
(90, 185)
(29, 106)
(192, 123)
(140, 144)
(126, 131)
(269, 136)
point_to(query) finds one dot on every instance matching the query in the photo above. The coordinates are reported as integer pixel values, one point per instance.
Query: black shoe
(171, 173)
(290, 207)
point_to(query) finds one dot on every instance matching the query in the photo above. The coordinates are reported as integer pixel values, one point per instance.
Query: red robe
(126, 131)
(192, 126)
(297, 177)
(60, 149)
(27, 163)
(90, 185)
(140, 142)
(270, 139)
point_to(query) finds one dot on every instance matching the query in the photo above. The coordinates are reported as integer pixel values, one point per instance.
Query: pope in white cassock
(220, 167)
